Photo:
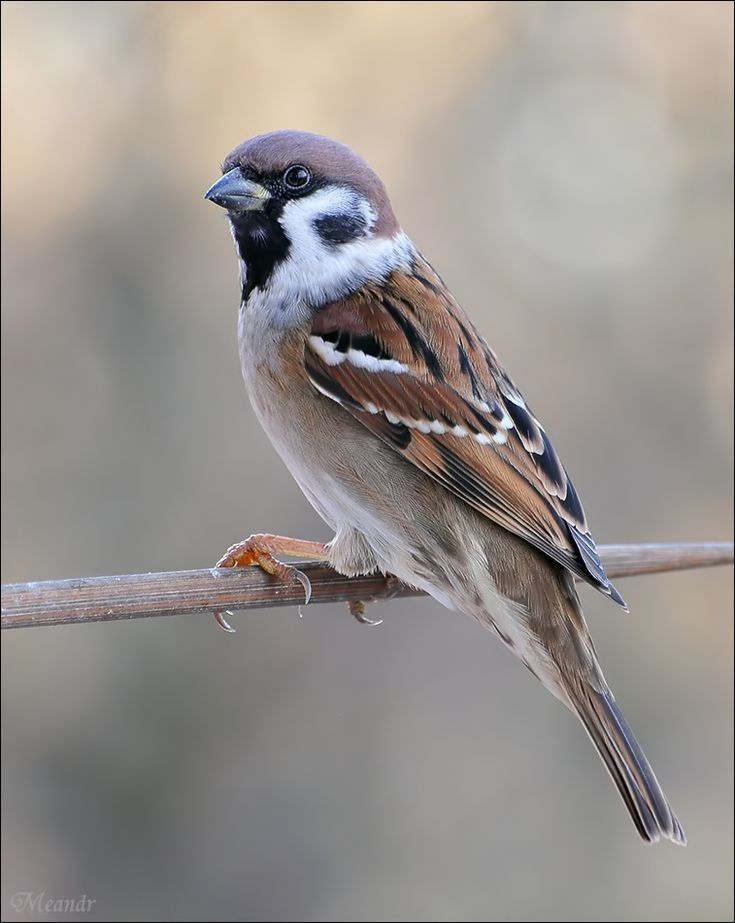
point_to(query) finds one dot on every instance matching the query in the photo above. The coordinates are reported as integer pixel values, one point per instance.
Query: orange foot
(261, 550)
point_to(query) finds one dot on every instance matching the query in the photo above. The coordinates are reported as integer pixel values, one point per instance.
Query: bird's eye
(296, 177)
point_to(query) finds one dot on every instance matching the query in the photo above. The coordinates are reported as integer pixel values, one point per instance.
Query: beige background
(568, 168)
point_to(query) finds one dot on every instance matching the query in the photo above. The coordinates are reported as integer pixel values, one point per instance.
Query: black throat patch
(262, 244)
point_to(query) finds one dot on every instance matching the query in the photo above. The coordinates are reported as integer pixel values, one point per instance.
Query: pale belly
(389, 516)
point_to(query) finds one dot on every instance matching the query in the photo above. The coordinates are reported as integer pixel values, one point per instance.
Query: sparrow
(405, 433)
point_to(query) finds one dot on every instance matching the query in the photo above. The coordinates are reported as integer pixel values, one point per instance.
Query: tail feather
(625, 761)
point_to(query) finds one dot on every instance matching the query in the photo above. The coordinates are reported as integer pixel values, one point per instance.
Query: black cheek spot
(340, 229)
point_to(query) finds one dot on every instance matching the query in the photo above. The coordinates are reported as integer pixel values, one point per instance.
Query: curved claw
(260, 550)
(357, 610)
(220, 619)
(304, 581)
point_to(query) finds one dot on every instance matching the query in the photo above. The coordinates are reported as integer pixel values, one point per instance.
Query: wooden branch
(107, 599)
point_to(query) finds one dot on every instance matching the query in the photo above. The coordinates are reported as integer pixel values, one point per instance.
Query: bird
(405, 433)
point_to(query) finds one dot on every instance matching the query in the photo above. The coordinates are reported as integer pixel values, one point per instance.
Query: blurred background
(568, 169)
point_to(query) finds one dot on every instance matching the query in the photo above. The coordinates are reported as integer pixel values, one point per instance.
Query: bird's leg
(261, 550)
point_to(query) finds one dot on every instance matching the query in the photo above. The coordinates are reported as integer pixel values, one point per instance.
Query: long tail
(625, 761)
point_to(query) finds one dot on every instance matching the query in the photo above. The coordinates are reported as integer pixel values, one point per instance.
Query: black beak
(235, 193)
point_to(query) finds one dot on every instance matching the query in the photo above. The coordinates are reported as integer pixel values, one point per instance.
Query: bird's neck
(284, 282)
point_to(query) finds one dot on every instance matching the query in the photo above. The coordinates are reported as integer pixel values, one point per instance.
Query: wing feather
(406, 362)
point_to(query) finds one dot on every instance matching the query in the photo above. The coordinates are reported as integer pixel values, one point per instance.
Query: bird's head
(310, 219)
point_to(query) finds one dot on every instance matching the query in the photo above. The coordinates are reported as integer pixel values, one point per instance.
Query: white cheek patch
(317, 271)
(299, 214)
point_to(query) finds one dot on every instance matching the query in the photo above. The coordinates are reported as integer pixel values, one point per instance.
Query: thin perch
(136, 596)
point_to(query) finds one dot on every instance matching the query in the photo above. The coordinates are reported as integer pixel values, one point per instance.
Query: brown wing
(405, 361)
